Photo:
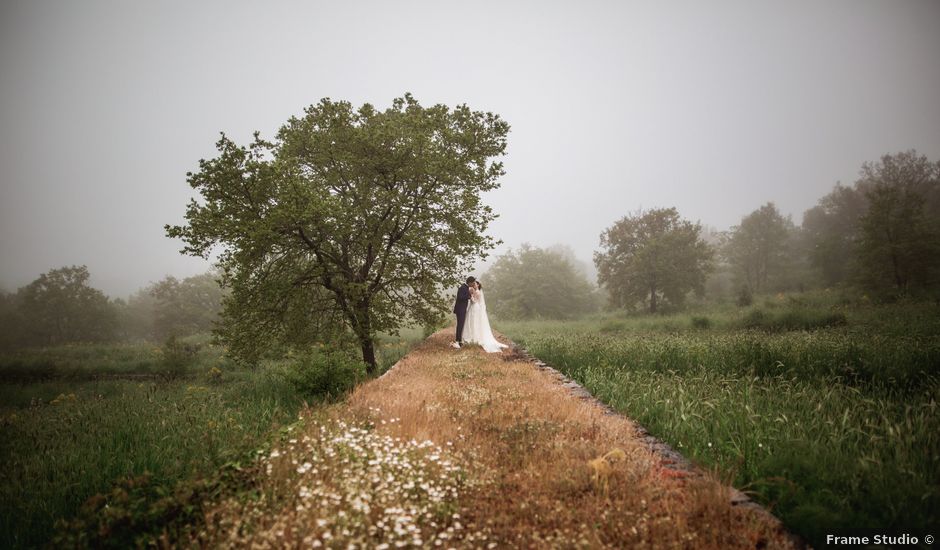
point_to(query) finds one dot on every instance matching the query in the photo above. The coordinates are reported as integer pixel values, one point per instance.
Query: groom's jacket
(463, 297)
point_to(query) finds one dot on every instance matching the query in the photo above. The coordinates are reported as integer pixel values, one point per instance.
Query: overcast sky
(711, 107)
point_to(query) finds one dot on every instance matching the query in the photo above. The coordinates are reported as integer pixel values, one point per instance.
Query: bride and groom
(473, 325)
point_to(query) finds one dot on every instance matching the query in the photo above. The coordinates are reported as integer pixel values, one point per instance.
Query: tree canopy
(350, 219)
(187, 306)
(535, 282)
(60, 306)
(652, 256)
(884, 231)
(899, 237)
(758, 248)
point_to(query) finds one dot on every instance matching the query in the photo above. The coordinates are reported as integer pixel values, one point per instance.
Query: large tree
(358, 217)
(883, 231)
(535, 282)
(60, 306)
(652, 256)
(899, 243)
(832, 231)
(758, 248)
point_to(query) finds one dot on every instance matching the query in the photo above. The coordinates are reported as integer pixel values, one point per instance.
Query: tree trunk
(362, 326)
(653, 299)
(368, 354)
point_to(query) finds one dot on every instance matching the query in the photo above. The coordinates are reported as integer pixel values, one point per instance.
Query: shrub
(140, 509)
(756, 318)
(178, 356)
(325, 372)
(701, 322)
(215, 374)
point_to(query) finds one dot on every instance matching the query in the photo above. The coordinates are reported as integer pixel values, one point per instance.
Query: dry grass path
(460, 448)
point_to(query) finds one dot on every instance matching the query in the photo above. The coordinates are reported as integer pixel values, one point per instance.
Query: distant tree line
(60, 307)
(532, 282)
(882, 235)
(884, 232)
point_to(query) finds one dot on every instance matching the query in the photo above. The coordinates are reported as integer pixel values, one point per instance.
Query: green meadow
(822, 407)
(82, 420)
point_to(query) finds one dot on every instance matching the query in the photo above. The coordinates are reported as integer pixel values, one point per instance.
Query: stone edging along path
(665, 455)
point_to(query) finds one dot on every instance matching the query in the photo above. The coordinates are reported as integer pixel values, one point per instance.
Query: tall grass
(833, 428)
(75, 420)
(58, 453)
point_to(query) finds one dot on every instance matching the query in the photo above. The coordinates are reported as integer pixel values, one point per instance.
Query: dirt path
(460, 448)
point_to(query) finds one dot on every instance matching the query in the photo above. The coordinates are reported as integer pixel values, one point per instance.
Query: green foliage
(140, 509)
(883, 232)
(118, 417)
(651, 257)
(537, 283)
(758, 248)
(80, 362)
(323, 372)
(832, 230)
(350, 220)
(60, 307)
(185, 307)
(178, 356)
(899, 244)
(433, 325)
(701, 322)
(57, 453)
(136, 316)
(793, 319)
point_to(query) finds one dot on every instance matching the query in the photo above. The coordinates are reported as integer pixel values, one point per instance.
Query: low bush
(178, 356)
(324, 372)
(140, 510)
(701, 322)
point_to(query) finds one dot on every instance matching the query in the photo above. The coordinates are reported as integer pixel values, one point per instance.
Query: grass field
(823, 408)
(74, 420)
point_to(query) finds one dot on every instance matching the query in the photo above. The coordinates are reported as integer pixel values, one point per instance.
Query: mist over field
(614, 106)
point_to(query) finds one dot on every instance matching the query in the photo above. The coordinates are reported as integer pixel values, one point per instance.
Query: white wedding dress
(477, 325)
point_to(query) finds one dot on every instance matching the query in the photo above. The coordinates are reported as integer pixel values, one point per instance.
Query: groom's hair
(470, 280)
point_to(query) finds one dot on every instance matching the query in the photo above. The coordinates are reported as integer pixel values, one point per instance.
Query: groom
(460, 309)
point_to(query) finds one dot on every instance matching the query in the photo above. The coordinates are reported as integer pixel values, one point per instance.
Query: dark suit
(460, 308)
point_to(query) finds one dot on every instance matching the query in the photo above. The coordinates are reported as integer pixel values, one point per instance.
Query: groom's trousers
(461, 313)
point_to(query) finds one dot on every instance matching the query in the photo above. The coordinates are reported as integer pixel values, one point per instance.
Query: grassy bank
(75, 420)
(833, 427)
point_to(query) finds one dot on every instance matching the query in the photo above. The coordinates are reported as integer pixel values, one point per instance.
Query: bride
(477, 329)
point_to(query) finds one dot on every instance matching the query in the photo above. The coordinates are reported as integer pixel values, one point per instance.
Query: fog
(714, 108)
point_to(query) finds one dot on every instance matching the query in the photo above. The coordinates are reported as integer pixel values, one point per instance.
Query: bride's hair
(479, 285)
